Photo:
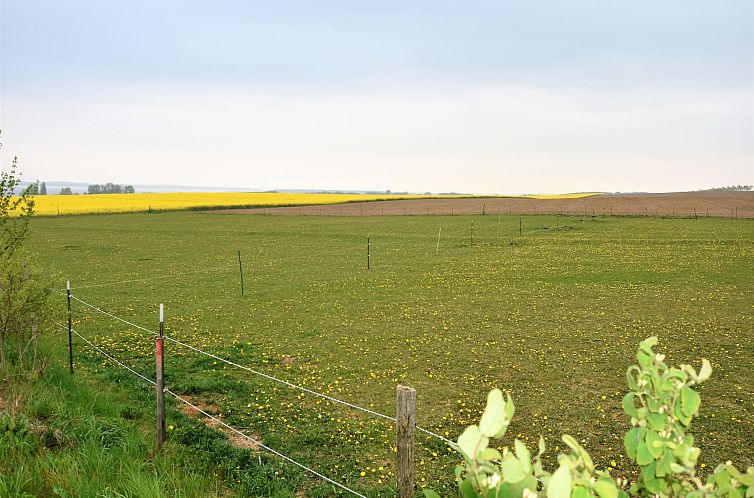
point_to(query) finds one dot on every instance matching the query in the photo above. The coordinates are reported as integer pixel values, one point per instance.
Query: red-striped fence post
(70, 327)
(160, 383)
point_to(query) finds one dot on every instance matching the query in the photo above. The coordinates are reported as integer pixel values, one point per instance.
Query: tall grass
(59, 436)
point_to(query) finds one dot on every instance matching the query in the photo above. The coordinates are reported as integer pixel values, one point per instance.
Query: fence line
(145, 279)
(111, 358)
(229, 427)
(458, 234)
(99, 310)
(270, 377)
(284, 457)
(275, 379)
(207, 270)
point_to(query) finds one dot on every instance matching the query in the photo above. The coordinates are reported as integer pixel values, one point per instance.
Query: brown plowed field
(680, 204)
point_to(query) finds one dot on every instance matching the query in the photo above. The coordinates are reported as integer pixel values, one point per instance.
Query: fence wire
(217, 420)
(332, 399)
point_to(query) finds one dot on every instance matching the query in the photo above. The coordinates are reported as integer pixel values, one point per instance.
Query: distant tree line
(733, 188)
(110, 188)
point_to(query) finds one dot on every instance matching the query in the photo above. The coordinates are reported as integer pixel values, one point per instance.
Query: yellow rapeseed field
(50, 205)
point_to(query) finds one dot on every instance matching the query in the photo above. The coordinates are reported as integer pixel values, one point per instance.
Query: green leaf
(606, 488)
(631, 441)
(513, 469)
(522, 452)
(705, 372)
(560, 483)
(644, 359)
(467, 490)
(647, 344)
(654, 444)
(657, 421)
(508, 489)
(628, 405)
(690, 401)
(489, 454)
(428, 493)
(571, 442)
(491, 493)
(581, 493)
(649, 479)
(631, 378)
(541, 446)
(510, 410)
(664, 467)
(679, 413)
(493, 418)
(472, 440)
(643, 456)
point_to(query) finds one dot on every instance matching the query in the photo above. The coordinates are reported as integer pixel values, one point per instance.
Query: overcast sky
(474, 96)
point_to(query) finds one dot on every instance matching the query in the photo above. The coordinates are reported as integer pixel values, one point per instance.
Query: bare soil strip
(678, 204)
(235, 439)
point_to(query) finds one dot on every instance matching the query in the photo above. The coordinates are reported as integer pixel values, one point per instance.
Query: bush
(25, 301)
(661, 403)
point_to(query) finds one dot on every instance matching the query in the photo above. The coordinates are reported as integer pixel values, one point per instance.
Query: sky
(474, 96)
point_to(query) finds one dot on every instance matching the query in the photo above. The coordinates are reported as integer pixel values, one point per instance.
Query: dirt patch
(679, 205)
(289, 360)
(235, 439)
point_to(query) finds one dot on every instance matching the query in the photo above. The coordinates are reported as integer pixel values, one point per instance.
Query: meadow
(552, 315)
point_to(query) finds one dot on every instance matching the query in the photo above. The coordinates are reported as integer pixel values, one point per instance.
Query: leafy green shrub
(661, 403)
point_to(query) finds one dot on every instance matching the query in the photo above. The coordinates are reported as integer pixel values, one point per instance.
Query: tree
(66, 191)
(43, 189)
(112, 188)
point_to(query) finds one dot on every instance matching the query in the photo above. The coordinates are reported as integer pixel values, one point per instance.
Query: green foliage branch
(15, 210)
(661, 403)
(24, 302)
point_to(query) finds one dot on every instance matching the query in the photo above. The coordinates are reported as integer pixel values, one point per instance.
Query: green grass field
(553, 316)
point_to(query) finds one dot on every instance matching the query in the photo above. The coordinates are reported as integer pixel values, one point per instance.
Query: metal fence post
(70, 327)
(160, 384)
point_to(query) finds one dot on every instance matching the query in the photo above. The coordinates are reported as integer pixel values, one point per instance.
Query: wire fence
(264, 375)
(183, 400)
(385, 239)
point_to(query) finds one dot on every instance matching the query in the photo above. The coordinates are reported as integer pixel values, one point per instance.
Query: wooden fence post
(405, 424)
(369, 254)
(240, 270)
(70, 327)
(160, 384)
